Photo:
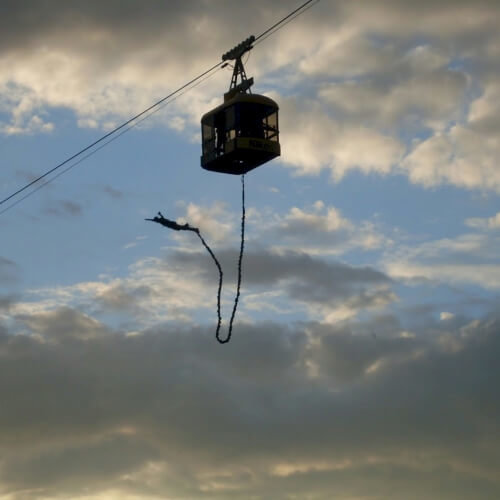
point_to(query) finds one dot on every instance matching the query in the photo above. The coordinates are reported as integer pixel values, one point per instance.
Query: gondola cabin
(240, 134)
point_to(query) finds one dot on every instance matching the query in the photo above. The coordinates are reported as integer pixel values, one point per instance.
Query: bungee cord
(170, 224)
(240, 259)
(219, 291)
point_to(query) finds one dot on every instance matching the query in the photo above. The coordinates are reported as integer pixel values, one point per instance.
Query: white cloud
(340, 47)
(484, 223)
(31, 124)
(215, 222)
(461, 157)
(312, 141)
(331, 221)
(484, 112)
(155, 291)
(465, 259)
(445, 316)
(318, 229)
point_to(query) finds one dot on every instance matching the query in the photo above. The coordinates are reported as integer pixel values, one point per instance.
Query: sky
(364, 358)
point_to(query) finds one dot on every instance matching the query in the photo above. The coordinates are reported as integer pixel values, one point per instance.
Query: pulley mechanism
(236, 54)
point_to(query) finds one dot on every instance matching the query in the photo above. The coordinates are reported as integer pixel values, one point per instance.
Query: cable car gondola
(242, 133)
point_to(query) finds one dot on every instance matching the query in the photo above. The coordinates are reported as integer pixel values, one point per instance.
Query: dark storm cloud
(123, 298)
(117, 31)
(412, 100)
(90, 410)
(265, 268)
(26, 24)
(34, 17)
(306, 279)
(106, 60)
(6, 301)
(94, 464)
(65, 323)
(346, 356)
(444, 19)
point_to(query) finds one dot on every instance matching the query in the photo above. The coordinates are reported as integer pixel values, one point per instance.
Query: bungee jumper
(239, 135)
(171, 224)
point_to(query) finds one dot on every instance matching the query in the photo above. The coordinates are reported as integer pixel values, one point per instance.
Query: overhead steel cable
(268, 32)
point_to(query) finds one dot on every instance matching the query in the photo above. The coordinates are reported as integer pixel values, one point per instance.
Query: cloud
(446, 316)
(484, 223)
(298, 221)
(388, 104)
(484, 113)
(95, 463)
(155, 290)
(466, 259)
(63, 207)
(348, 351)
(112, 192)
(8, 271)
(214, 221)
(319, 229)
(62, 323)
(461, 157)
(6, 301)
(121, 297)
(30, 125)
(424, 94)
(182, 286)
(169, 413)
(330, 289)
(93, 59)
(313, 141)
